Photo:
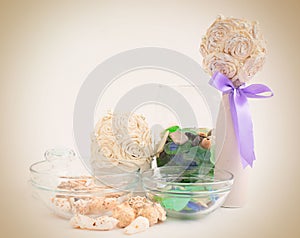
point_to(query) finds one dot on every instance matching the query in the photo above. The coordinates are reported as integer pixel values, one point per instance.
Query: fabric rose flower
(251, 66)
(239, 46)
(217, 34)
(223, 63)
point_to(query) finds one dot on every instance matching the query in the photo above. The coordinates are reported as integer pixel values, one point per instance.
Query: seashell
(79, 205)
(162, 215)
(210, 133)
(162, 143)
(124, 213)
(140, 224)
(205, 143)
(137, 203)
(203, 203)
(202, 134)
(100, 204)
(150, 212)
(103, 223)
(61, 204)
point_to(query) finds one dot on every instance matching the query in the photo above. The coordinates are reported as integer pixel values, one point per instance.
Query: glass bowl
(187, 193)
(64, 186)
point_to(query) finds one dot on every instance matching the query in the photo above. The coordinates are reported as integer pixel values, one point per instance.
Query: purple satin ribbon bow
(240, 112)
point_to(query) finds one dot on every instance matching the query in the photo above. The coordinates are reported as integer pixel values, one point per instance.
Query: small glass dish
(187, 193)
(64, 186)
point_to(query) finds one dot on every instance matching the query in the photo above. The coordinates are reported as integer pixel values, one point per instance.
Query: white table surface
(222, 221)
(259, 218)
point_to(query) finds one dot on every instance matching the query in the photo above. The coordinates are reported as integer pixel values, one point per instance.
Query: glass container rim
(228, 182)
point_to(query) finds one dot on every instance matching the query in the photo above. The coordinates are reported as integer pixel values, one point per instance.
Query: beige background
(47, 48)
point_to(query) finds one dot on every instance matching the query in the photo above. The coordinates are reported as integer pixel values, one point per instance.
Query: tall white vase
(228, 157)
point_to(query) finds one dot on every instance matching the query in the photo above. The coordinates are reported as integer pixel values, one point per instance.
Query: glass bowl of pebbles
(185, 192)
(63, 184)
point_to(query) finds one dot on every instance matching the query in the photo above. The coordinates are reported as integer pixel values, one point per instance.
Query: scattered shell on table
(141, 207)
(150, 212)
(138, 225)
(136, 215)
(162, 215)
(124, 213)
(137, 202)
(103, 223)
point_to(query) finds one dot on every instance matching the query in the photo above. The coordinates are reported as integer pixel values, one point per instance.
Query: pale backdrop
(47, 49)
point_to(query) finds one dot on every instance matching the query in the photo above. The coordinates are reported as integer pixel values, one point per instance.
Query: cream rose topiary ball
(121, 137)
(235, 48)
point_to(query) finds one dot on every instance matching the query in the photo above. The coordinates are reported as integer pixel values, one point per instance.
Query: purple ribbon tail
(240, 112)
(243, 127)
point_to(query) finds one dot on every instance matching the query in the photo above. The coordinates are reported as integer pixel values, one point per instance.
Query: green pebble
(176, 204)
(172, 129)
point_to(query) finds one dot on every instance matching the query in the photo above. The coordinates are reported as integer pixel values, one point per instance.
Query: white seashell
(162, 215)
(162, 142)
(79, 205)
(124, 213)
(103, 223)
(150, 212)
(140, 224)
(62, 204)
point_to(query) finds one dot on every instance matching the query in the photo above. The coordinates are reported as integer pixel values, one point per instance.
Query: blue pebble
(194, 206)
(192, 165)
(173, 146)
